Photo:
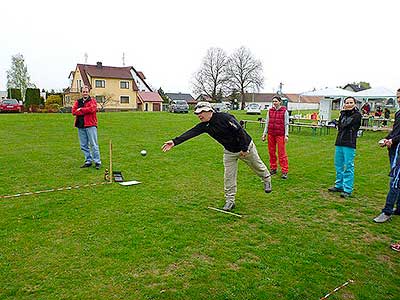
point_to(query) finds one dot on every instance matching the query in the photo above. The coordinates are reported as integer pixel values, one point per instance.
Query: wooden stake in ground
(111, 172)
(223, 211)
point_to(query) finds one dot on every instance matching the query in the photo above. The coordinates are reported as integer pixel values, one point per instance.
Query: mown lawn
(158, 240)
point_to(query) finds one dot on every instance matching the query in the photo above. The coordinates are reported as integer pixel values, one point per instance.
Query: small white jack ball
(143, 152)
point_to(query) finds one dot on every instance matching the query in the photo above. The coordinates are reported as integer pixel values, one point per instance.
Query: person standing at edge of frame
(345, 148)
(391, 141)
(238, 144)
(84, 110)
(277, 127)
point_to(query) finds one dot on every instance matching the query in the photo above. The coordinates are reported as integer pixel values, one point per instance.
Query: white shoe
(382, 218)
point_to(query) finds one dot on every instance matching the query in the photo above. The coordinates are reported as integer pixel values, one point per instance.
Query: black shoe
(345, 195)
(229, 205)
(396, 211)
(284, 176)
(97, 166)
(335, 190)
(86, 165)
(272, 172)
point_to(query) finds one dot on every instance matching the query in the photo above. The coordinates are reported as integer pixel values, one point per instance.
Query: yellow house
(114, 88)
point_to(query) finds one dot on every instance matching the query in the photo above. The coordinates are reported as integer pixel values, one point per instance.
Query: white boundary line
(53, 190)
(223, 211)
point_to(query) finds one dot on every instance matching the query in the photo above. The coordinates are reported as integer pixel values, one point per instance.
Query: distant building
(295, 101)
(353, 87)
(180, 96)
(114, 88)
(149, 101)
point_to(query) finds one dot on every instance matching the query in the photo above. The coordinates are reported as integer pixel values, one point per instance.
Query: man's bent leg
(254, 161)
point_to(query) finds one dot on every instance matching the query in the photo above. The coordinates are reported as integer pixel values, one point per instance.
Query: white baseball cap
(202, 106)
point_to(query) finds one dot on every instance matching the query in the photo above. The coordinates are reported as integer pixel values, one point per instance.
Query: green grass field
(158, 240)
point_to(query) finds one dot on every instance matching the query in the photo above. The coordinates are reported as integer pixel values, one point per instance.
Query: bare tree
(245, 72)
(104, 100)
(211, 79)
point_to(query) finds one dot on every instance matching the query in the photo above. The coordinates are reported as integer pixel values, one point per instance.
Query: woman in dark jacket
(345, 150)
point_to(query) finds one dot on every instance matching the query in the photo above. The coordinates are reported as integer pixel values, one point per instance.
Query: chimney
(99, 64)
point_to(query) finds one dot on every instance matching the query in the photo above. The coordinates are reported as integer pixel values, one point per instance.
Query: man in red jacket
(84, 110)
(277, 127)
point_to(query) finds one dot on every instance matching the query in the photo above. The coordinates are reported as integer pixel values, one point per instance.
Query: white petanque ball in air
(143, 152)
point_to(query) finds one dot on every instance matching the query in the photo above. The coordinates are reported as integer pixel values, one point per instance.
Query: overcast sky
(303, 44)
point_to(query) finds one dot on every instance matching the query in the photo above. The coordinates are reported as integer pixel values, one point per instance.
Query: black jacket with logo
(348, 125)
(224, 128)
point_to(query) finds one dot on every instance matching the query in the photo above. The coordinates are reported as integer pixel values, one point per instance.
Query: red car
(10, 105)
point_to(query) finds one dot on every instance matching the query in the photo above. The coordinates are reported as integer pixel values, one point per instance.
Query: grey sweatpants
(252, 159)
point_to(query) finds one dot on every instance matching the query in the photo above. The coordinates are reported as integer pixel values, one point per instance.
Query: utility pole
(123, 59)
(280, 88)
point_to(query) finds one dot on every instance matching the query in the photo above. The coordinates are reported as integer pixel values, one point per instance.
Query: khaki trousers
(252, 159)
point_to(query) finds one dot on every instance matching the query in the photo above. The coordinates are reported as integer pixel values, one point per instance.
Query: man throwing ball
(226, 130)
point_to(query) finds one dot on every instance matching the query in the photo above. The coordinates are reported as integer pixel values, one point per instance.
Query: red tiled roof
(107, 72)
(267, 97)
(100, 71)
(149, 97)
(141, 75)
(303, 99)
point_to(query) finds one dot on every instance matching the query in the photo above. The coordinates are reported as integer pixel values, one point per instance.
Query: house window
(79, 85)
(100, 99)
(100, 83)
(124, 84)
(124, 99)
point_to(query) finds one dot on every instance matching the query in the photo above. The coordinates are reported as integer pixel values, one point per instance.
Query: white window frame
(127, 83)
(100, 80)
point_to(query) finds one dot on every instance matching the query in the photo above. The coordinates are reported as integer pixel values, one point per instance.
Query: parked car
(177, 106)
(253, 109)
(227, 104)
(10, 105)
(219, 107)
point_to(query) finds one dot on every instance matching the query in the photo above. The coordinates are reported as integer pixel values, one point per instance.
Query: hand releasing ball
(143, 152)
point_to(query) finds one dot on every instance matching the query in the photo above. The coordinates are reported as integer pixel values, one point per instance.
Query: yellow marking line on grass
(223, 211)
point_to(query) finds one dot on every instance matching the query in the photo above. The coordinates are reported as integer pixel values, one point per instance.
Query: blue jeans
(344, 165)
(89, 145)
(391, 198)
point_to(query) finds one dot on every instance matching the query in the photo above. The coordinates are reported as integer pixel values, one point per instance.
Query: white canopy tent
(378, 96)
(331, 98)
(329, 93)
(377, 92)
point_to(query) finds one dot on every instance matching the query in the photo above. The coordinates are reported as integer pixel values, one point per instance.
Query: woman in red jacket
(277, 127)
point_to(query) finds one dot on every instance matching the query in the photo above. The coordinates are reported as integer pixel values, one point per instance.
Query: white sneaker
(267, 186)
(229, 205)
(382, 218)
